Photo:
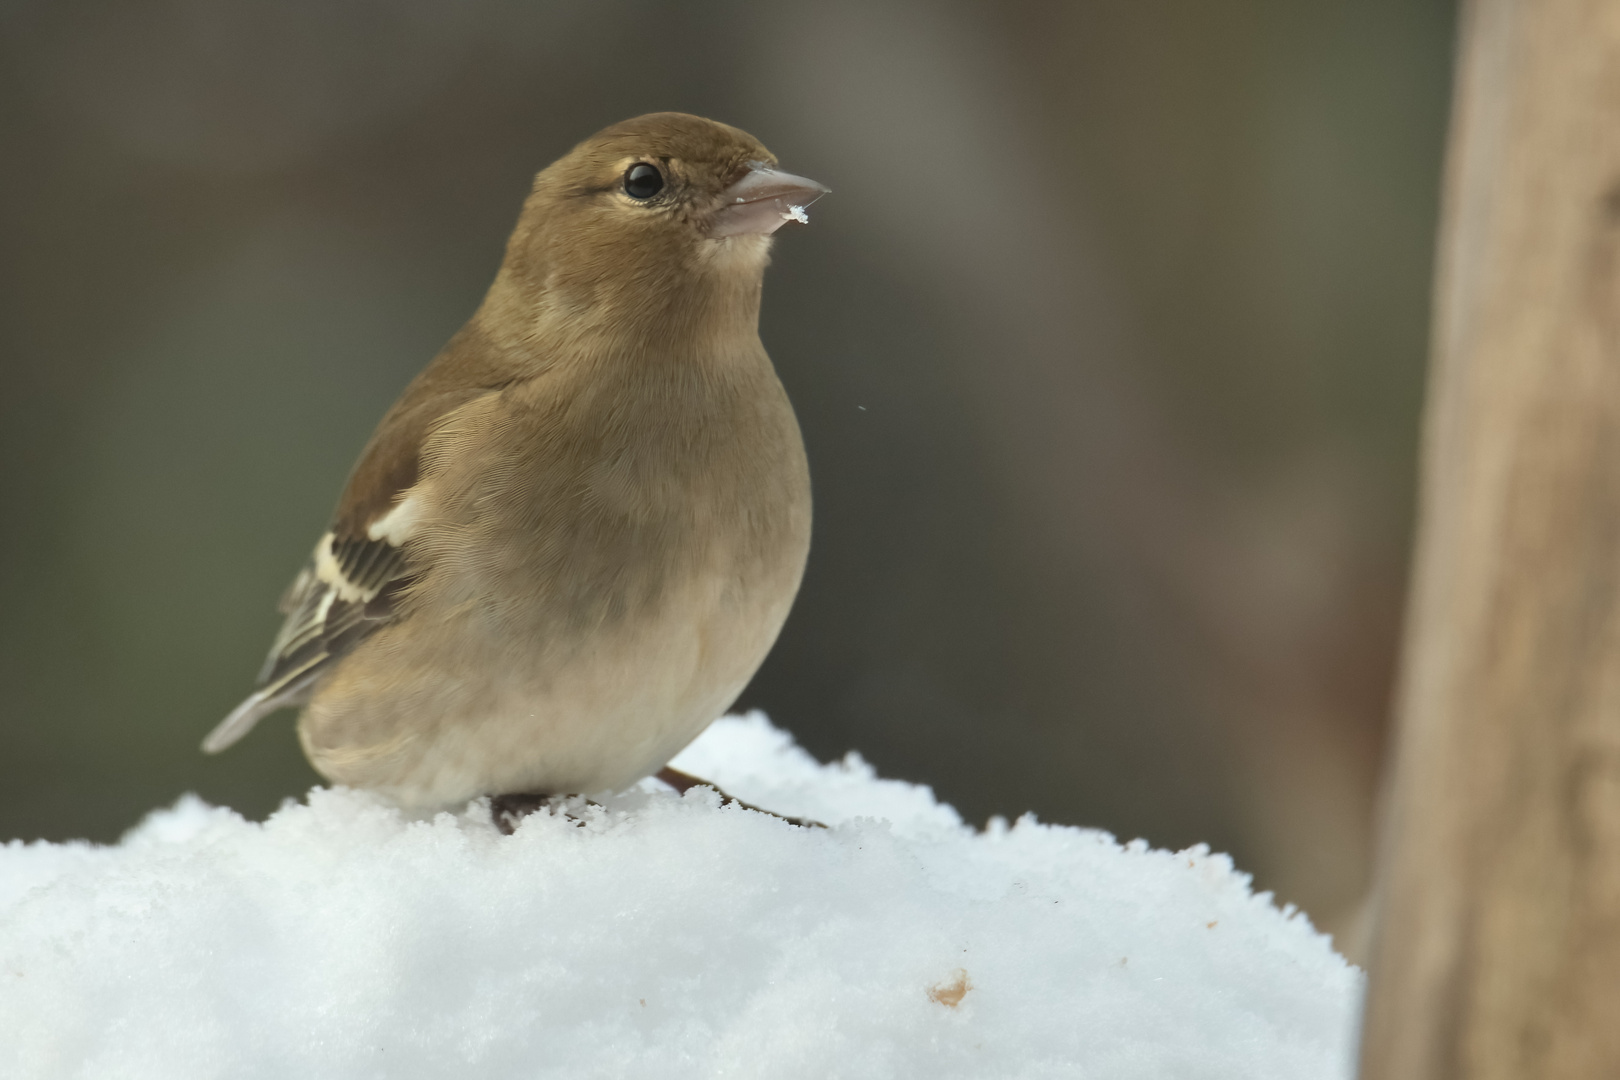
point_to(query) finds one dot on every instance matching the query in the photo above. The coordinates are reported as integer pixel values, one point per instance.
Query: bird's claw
(508, 811)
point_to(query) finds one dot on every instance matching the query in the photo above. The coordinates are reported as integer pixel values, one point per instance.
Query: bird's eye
(643, 181)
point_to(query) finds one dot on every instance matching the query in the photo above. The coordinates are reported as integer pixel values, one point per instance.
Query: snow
(656, 935)
(796, 213)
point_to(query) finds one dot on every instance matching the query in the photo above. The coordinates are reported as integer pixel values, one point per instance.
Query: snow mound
(656, 936)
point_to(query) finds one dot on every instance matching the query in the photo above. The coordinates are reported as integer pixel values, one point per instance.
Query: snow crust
(656, 936)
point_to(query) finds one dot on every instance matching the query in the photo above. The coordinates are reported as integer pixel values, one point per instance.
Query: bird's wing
(346, 591)
(348, 588)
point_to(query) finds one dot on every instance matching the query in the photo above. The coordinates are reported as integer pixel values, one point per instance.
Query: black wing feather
(331, 606)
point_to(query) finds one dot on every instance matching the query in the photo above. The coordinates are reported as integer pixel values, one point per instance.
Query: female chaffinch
(573, 539)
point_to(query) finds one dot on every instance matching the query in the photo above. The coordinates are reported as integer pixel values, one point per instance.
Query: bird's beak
(761, 201)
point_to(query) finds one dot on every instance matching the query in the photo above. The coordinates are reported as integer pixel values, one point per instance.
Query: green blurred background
(1107, 347)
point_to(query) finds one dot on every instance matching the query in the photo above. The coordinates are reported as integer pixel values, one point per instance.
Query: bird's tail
(259, 704)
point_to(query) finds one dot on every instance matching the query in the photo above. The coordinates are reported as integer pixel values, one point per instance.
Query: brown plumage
(572, 540)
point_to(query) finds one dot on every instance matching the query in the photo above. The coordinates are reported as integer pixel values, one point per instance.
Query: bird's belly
(611, 708)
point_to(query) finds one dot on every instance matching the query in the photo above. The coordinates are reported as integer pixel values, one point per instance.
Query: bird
(572, 541)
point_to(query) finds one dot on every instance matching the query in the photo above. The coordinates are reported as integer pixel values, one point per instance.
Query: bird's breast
(612, 505)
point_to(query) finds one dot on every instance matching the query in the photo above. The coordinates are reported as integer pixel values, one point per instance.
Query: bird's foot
(681, 782)
(507, 811)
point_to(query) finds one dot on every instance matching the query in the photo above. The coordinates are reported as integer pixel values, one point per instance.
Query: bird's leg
(682, 782)
(508, 810)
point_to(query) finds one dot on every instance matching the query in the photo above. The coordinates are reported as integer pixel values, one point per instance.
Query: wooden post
(1497, 950)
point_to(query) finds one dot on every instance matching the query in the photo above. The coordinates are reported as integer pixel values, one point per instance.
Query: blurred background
(1108, 351)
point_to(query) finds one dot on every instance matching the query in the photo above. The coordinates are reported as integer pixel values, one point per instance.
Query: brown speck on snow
(950, 994)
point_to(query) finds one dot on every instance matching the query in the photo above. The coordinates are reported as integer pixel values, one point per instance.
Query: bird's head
(661, 214)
